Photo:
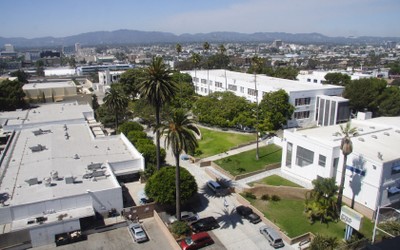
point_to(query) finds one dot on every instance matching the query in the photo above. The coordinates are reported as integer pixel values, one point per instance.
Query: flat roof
(374, 135)
(65, 147)
(267, 81)
(48, 85)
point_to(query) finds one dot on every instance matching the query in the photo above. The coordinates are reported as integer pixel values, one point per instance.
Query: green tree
(364, 93)
(346, 146)
(322, 242)
(105, 116)
(21, 75)
(196, 58)
(275, 110)
(116, 102)
(179, 137)
(130, 81)
(40, 67)
(337, 79)
(161, 186)
(95, 102)
(286, 73)
(320, 201)
(389, 102)
(11, 95)
(158, 89)
(126, 127)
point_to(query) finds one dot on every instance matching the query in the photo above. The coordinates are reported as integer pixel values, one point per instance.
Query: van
(272, 236)
(215, 187)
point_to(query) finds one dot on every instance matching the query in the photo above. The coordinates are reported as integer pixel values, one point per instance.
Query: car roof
(214, 183)
(200, 235)
(271, 231)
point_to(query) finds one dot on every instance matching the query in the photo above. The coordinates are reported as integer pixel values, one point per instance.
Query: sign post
(352, 219)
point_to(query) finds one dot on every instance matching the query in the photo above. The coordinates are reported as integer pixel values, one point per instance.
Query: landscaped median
(245, 164)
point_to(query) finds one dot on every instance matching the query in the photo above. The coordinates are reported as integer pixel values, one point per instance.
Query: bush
(250, 195)
(135, 135)
(180, 228)
(275, 198)
(265, 197)
(126, 127)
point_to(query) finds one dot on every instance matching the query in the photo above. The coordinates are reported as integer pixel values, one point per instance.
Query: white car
(185, 216)
(137, 232)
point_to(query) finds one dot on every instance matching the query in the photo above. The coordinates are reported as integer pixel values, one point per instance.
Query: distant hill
(147, 37)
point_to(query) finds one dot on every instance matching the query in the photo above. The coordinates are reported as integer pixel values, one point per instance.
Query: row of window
(305, 157)
(302, 101)
(301, 115)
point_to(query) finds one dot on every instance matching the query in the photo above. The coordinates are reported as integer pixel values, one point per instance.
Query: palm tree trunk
(116, 121)
(158, 137)
(178, 187)
(342, 178)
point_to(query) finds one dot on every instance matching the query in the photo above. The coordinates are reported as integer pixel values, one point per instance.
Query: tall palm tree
(206, 48)
(196, 58)
(178, 48)
(257, 64)
(158, 88)
(347, 148)
(179, 136)
(117, 102)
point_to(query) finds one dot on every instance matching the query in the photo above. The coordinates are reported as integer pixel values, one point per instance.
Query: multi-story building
(303, 96)
(107, 77)
(56, 168)
(372, 169)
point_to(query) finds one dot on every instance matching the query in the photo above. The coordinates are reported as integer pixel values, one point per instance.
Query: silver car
(272, 236)
(137, 232)
(185, 216)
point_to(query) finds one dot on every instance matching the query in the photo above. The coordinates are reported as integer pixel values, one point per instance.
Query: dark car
(204, 224)
(248, 214)
(196, 241)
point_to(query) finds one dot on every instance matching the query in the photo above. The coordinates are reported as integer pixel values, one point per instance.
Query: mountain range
(127, 37)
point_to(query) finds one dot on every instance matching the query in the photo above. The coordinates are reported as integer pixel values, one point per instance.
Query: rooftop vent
(360, 129)
(65, 127)
(66, 135)
(361, 139)
(38, 148)
(372, 127)
(40, 132)
(94, 166)
(76, 156)
(380, 156)
(397, 131)
(386, 133)
(374, 136)
(32, 181)
(70, 180)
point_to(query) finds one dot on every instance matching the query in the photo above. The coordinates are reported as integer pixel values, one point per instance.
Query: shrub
(265, 197)
(275, 198)
(180, 228)
(250, 195)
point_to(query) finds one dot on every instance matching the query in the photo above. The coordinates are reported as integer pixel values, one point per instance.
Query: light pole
(377, 220)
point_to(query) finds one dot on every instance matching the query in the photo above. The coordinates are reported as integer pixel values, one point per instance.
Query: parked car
(204, 224)
(217, 189)
(196, 241)
(145, 201)
(137, 232)
(185, 216)
(272, 236)
(248, 214)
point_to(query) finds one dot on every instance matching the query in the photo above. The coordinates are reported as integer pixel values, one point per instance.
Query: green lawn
(215, 142)
(288, 215)
(246, 162)
(276, 180)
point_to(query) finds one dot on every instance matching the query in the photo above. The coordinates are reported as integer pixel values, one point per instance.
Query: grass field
(215, 142)
(276, 180)
(288, 215)
(246, 162)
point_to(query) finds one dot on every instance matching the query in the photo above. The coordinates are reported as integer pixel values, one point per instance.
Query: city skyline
(33, 19)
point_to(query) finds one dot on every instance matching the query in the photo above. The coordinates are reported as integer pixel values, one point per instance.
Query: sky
(59, 18)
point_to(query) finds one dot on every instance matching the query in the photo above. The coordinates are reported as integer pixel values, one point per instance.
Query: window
(308, 80)
(289, 151)
(315, 81)
(322, 160)
(218, 84)
(203, 81)
(195, 79)
(395, 167)
(232, 87)
(302, 101)
(241, 89)
(302, 115)
(304, 157)
(335, 162)
(252, 92)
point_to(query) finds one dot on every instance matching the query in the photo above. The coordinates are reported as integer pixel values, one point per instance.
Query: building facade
(303, 96)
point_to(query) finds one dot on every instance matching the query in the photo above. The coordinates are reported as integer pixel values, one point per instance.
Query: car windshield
(140, 234)
(189, 241)
(278, 241)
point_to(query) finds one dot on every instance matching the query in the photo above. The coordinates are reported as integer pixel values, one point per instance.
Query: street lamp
(376, 223)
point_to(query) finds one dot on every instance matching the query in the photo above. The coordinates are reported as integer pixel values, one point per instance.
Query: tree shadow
(358, 172)
(229, 218)
(270, 153)
(226, 185)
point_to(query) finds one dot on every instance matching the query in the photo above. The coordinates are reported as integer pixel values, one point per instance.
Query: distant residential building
(372, 169)
(318, 76)
(302, 95)
(84, 70)
(9, 48)
(77, 48)
(107, 77)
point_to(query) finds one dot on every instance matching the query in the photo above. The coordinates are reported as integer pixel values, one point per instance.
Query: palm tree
(206, 48)
(347, 147)
(117, 102)
(222, 49)
(179, 136)
(178, 48)
(158, 88)
(196, 60)
(257, 64)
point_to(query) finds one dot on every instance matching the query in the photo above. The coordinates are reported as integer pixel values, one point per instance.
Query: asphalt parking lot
(119, 239)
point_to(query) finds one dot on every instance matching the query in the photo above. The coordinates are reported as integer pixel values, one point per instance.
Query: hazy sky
(38, 18)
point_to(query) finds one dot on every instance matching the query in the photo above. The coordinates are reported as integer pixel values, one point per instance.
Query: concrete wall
(45, 235)
(107, 199)
(14, 239)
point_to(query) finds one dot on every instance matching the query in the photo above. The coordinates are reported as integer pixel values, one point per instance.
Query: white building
(107, 77)
(318, 77)
(58, 167)
(373, 169)
(303, 96)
